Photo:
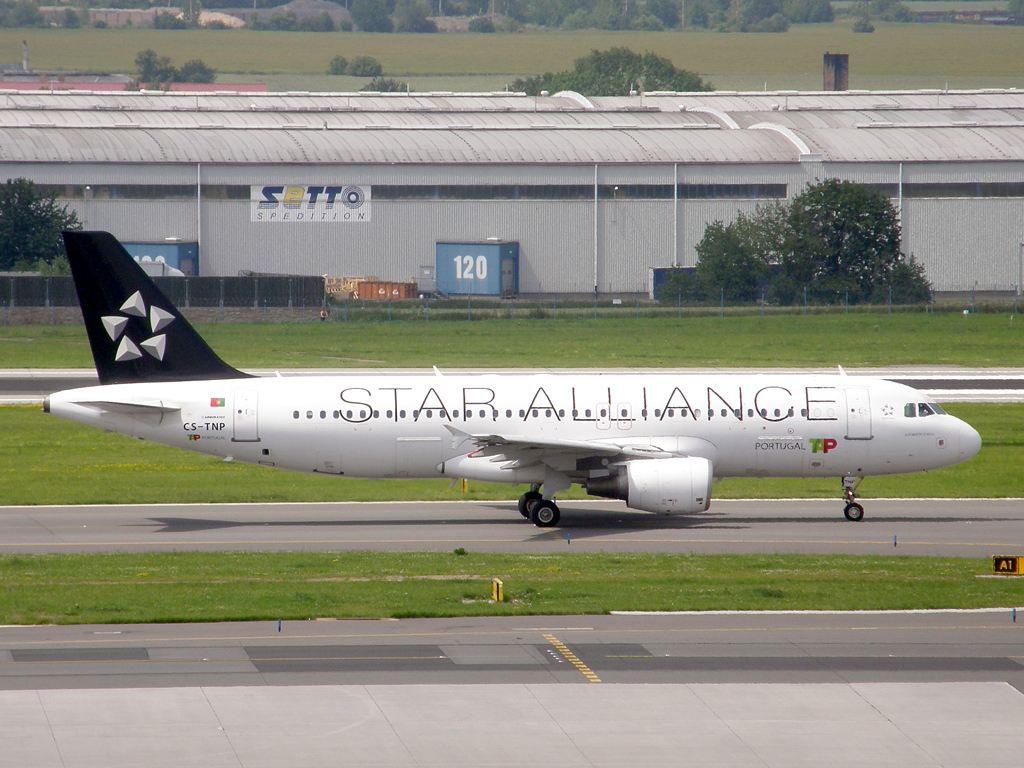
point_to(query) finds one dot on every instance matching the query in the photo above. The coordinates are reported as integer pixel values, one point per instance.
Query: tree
(338, 66)
(615, 72)
(844, 236)
(835, 239)
(483, 25)
(196, 71)
(30, 225)
(412, 16)
(153, 68)
(371, 15)
(365, 66)
(386, 85)
(1016, 7)
(735, 261)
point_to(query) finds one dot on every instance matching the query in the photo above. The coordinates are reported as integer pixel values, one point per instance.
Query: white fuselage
(387, 426)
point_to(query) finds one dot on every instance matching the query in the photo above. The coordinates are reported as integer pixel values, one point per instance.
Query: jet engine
(659, 485)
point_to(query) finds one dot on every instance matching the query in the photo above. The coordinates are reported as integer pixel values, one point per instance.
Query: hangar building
(595, 192)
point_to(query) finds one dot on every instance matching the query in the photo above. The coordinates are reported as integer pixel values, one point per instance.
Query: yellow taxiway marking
(572, 658)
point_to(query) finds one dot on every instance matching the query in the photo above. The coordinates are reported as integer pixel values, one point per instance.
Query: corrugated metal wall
(963, 243)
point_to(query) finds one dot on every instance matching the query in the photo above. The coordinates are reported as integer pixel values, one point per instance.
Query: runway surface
(945, 384)
(725, 690)
(953, 527)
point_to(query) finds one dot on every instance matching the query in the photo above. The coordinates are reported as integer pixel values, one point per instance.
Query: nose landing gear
(853, 511)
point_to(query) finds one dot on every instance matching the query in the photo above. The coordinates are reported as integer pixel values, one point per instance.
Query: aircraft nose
(970, 441)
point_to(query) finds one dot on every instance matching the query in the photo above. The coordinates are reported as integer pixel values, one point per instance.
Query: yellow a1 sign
(1006, 566)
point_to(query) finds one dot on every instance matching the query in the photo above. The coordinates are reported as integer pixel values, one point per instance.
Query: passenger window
(575, 413)
(670, 412)
(682, 412)
(482, 413)
(362, 414)
(415, 414)
(335, 414)
(376, 414)
(561, 413)
(309, 414)
(643, 413)
(910, 410)
(295, 414)
(323, 414)
(508, 414)
(587, 413)
(348, 414)
(388, 414)
(803, 411)
(657, 413)
(401, 414)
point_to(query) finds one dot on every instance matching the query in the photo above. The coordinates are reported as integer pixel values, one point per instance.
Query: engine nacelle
(660, 485)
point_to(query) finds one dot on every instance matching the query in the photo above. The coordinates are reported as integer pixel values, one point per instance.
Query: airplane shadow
(579, 523)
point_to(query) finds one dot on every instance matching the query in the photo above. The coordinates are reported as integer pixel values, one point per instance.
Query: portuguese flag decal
(216, 402)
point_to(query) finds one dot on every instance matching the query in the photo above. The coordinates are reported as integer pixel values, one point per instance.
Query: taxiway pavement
(872, 689)
(953, 527)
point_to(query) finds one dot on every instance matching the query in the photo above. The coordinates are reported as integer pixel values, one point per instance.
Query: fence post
(255, 293)
(220, 311)
(469, 306)
(389, 307)
(344, 313)
(264, 309)
(721, 306)
(890, 299)
(5, 312)
(427, 298)
(12, 293)
(290, 304)
(303, 306)
(188, 292)
(47, 299)
(762, 302)
(805, 299)
(847, 301)
(679, 305)
(638, 306)
(595, 302)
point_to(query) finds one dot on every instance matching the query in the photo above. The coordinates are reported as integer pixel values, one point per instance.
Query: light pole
(1020, 268)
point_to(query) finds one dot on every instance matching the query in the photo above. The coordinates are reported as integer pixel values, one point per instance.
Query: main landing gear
(853, 511)
(540, 511)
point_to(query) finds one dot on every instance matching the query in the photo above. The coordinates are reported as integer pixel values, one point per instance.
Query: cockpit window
(924, 410)
(910, 410)
(936, 408)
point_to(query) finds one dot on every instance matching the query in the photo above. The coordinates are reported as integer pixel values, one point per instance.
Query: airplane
(656, 442)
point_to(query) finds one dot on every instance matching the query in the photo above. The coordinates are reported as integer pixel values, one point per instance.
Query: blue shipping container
(183, 256)
(478, 269)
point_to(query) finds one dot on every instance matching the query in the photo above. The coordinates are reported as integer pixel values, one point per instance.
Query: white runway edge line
(482, 502)
(926, 611)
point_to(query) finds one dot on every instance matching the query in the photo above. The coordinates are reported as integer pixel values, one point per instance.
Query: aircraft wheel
(526, 502)
(854, 512)
(544, 514)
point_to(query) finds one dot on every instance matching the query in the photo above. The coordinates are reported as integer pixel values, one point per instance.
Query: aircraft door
(624, 415)
(602, 412)
(858, 414)
(246, 423)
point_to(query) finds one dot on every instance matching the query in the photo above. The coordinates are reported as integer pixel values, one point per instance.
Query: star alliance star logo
(127, 350)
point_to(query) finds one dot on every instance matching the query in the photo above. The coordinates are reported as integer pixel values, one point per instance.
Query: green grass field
(52, 461)
(232, 586)
(901, 50)
(854, 340)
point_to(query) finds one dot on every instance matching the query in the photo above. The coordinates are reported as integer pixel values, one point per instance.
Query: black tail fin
(135, 332)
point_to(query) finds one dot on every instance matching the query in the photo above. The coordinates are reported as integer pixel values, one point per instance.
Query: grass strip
(854, 340)
(46, 460)
(901, 49)
(251, 586)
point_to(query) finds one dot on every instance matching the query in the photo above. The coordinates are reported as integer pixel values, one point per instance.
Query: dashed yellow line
(572, 658)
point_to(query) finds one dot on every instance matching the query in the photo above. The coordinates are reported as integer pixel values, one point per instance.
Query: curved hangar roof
(920, 126)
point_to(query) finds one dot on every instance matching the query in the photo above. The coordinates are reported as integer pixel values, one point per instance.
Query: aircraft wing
(518, 448)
